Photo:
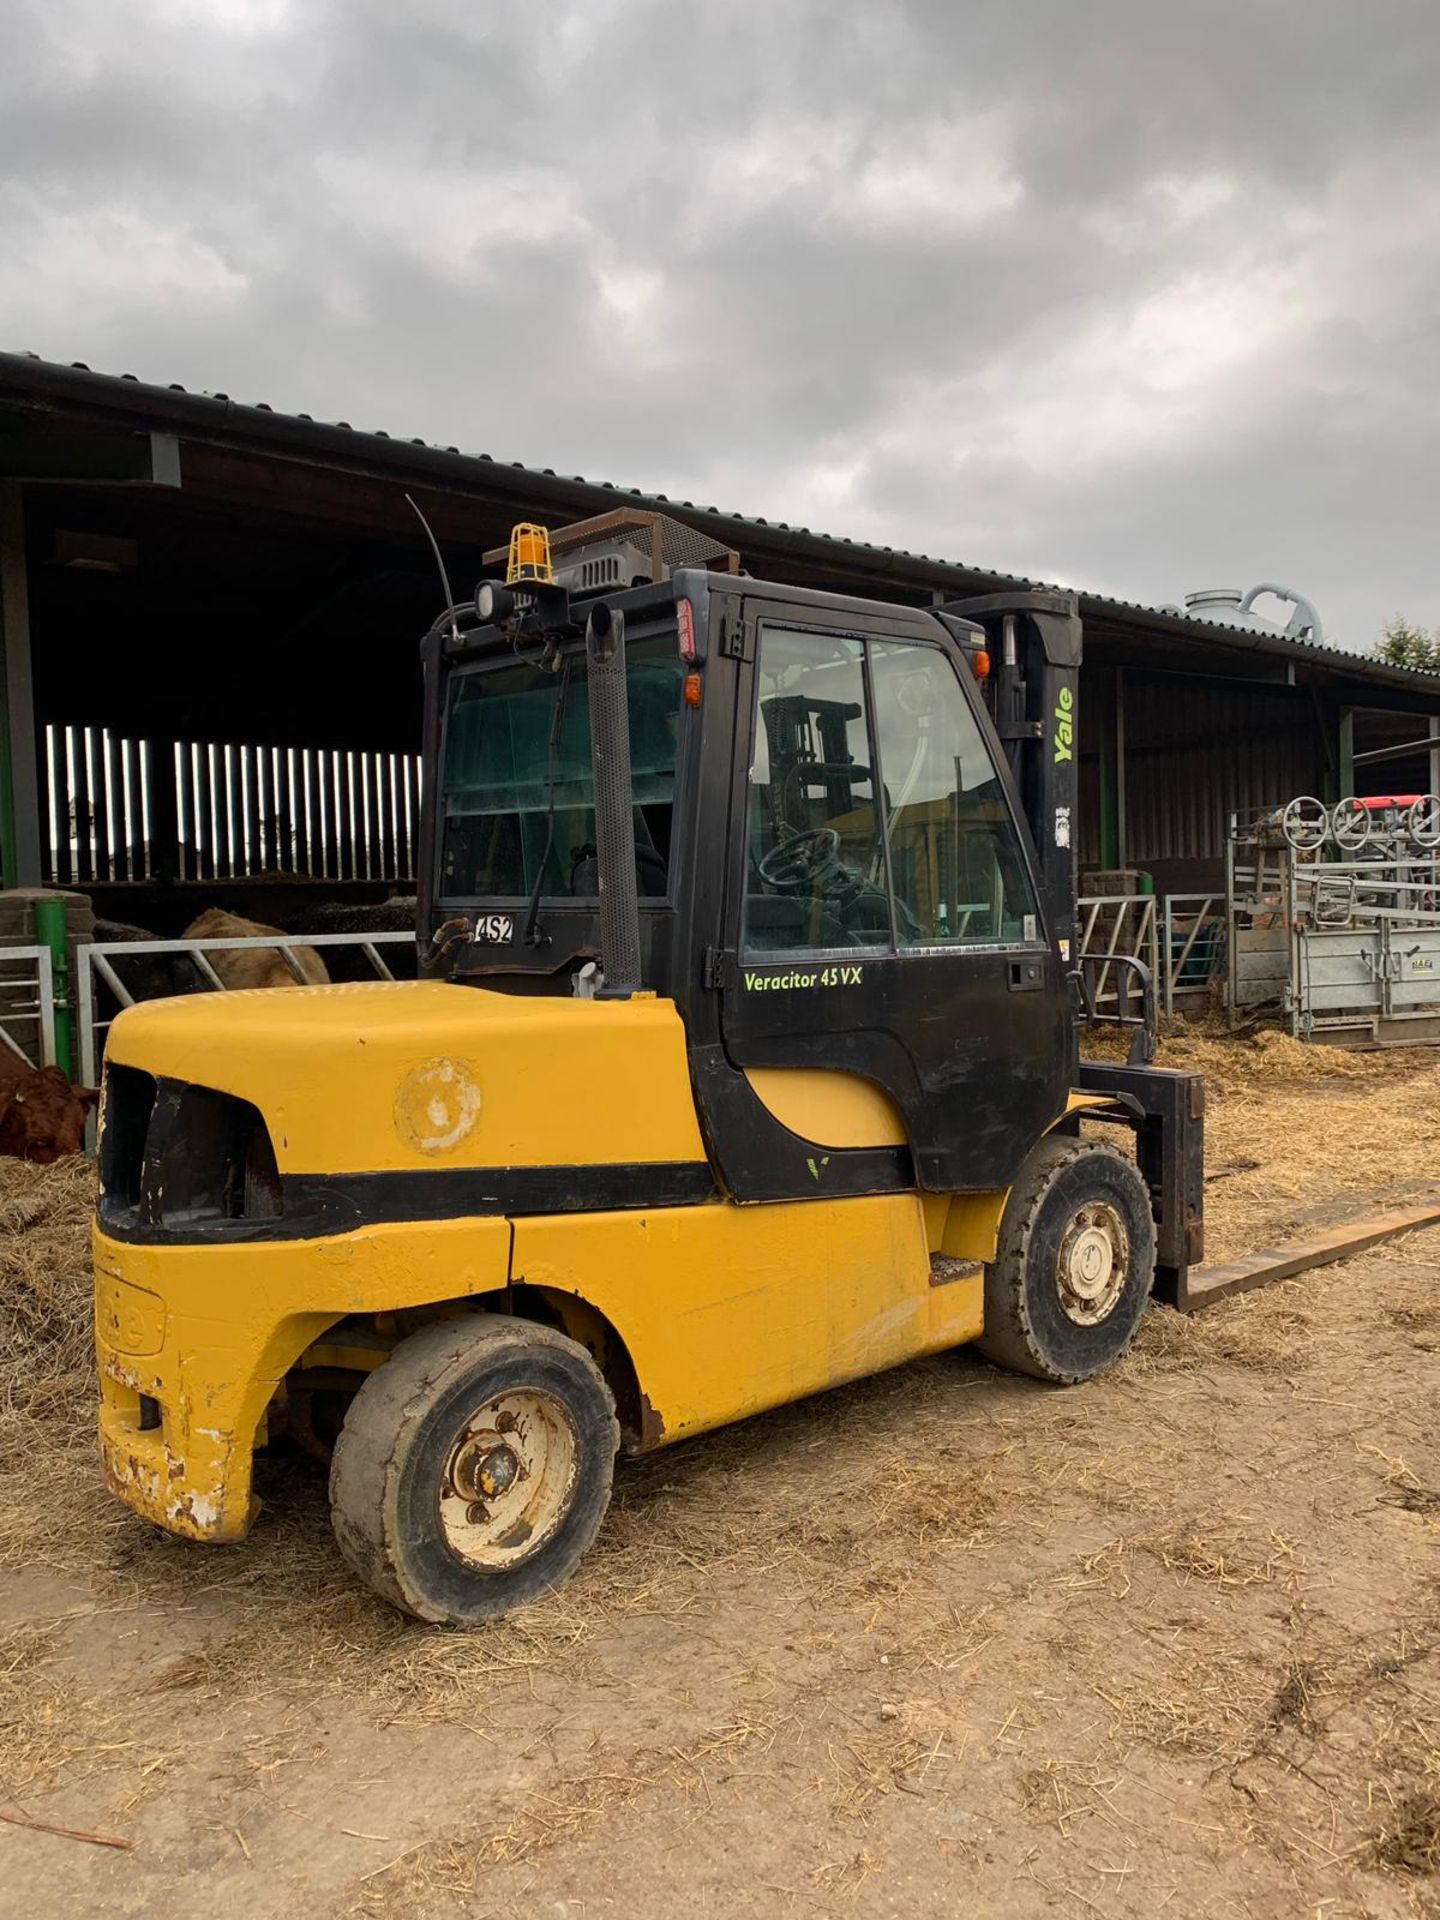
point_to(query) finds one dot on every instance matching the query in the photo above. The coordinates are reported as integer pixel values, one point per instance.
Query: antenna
(440, 563)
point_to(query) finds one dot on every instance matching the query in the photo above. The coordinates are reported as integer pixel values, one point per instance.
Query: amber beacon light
(529, 555)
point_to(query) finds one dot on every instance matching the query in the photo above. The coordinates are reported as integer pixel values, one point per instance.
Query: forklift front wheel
(1074, 1265)
(474, 1468)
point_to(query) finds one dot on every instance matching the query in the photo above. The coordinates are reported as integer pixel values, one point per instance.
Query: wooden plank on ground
(1208, 1284)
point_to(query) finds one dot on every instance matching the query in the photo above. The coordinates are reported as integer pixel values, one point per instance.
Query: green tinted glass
(500, 774)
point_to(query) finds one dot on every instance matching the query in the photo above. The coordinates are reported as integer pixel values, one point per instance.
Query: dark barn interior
(178, 568)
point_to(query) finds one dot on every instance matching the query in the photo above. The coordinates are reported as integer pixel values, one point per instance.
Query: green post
(1104, 733)
(20, 785)
(51, 932)
(9, 865)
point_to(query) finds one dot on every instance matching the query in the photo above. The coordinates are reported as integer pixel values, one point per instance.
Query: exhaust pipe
(614, 802)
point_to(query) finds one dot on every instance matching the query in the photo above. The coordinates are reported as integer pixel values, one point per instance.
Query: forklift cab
(833, 873)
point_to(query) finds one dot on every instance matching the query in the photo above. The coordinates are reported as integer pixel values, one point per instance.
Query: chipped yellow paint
(723, 1310)
(437, 1105)
(237, 1319)
(129, 1319)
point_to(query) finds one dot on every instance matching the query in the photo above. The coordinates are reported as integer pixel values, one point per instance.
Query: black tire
(1071, 1196)
(413, 1466)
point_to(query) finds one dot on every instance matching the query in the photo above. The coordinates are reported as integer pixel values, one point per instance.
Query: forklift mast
(1035, 644)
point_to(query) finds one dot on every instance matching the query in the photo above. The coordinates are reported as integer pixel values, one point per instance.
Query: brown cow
(253, 966)
(42, 1117)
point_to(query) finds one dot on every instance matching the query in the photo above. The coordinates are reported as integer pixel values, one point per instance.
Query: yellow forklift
(744, 1061)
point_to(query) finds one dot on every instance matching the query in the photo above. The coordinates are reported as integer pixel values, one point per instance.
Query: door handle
(1027, 976)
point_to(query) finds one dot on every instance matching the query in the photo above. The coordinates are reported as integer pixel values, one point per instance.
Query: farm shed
(211, 685)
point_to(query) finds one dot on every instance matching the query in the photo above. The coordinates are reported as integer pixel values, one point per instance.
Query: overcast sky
(1138, 295)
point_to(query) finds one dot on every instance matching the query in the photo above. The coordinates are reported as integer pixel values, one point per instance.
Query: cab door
(881, 919)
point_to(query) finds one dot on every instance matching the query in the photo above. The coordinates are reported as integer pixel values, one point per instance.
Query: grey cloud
(1133, 294)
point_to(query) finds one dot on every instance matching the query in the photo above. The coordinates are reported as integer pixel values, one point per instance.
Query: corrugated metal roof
(28, 372)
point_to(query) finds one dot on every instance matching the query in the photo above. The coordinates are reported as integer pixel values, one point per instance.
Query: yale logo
(1065, 726)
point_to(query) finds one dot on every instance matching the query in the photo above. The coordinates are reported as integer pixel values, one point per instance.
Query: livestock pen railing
(121, 810)
(27, 1004)
(1193, 942)
(95, 967)
(1113, 928)
(1180, 938)
(1120, 926)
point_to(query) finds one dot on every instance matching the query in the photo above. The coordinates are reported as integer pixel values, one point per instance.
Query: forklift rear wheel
(474, 1468)
(1074, 1265)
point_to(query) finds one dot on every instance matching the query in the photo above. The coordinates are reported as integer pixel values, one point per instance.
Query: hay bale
(45, 1283)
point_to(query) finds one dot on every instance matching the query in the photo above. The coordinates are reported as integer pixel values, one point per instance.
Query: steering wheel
(804, 862)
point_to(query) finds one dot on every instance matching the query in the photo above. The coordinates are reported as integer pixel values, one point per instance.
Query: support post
(1345, 755)
(52, 932)
(19, 784)
(1122, 827)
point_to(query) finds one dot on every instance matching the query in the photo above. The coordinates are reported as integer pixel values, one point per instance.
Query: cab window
(816, 864)
(518, 793)
(876, 817)
(958, 871)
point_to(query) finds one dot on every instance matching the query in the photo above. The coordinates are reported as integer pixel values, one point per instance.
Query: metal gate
(1192, 944)
(1115, 927)
(27, 1004)
(95, 968)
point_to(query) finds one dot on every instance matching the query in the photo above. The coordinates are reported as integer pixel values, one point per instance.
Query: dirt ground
(943, 1642)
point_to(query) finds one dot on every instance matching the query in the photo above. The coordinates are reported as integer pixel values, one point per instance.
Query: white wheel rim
(1094, 1263)
(510, 1478)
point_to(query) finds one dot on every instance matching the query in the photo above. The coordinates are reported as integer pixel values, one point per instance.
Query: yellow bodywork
(380, 1078)
(221, 1326)
(720, 1310)
(832, 1109)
